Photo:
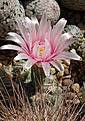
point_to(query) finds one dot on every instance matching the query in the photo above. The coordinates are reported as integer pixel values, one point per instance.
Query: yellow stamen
(41, 50)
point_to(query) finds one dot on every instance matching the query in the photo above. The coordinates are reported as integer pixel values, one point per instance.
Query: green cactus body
(37, 77)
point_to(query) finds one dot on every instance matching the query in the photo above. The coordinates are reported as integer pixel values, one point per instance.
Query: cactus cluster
(81, 50)
(37, 7)
(9, 10)
(77, 33)
(79, 45)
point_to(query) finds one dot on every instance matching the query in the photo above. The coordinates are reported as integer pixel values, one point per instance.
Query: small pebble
(52, 71)
(60, 74)
(75, 87)
(66, 71)
(67, 62)
(67, 82)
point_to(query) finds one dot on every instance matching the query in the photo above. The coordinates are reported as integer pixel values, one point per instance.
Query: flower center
(41, 50)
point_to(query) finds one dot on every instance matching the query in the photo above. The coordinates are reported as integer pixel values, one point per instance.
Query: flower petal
(46, 68)
(12, 47)
(16, 38)
(34, 21)
(73, 56)
(21, 56)
(56, 42)
(36, 50)
(43, 22)
(65, 36)
(43, 28)
(57, 30)
(62, 38)
(46, 31)
(57, 65)
(47, 35)
(29, 43)
(65, 44)
(32, 29)
(61, 56)
(47, 50)
(23, 30)
(67, 55)
(29, 63)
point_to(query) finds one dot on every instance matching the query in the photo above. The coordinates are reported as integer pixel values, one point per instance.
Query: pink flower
(42, 46)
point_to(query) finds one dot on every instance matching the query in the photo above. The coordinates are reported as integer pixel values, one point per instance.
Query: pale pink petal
(45, 31)
(57, 30)
(12, 47)
(28, 21)
(62, 38)
(43, 22)
(43, 28)
(65, 36)
(60, 56)
(47, 43)
(46, 54)
(23, 30)
(47, 36)
(29, 43)
(73, 56)
(46, 68)
(32, 29)
(34, 21)
(21, 56)
(16, 38)
(39, 36)
(51, 56)
(47, 50)
(29, 63)
(66, 56)
(36, 50)
(57, 65)
(56, 42)
(70, 41)
(65, 44)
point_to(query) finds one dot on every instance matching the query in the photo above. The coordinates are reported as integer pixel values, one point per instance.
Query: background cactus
(81, 50)
(77, 33)
(37, 7)
(79, 45)
(9, 10)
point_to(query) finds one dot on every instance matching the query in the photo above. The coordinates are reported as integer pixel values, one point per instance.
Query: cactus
(9, 10)
(79, 45)
(77, 33)
(81, 51)
(37, 7)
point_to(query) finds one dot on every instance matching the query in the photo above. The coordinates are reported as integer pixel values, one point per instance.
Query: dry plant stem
(8, 95)
(20, 102)
(83, 118)
(39, 110)
(79, 111)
